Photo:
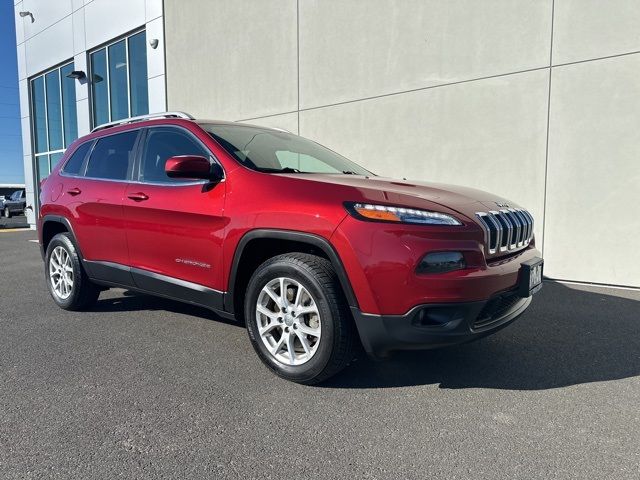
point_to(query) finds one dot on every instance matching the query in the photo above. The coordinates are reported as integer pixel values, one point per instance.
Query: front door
(174, 227)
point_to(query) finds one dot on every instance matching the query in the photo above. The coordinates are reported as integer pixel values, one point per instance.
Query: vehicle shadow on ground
(130, 301)
(567, 337)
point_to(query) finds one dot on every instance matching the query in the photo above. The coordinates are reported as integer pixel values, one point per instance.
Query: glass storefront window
(138, 83)
(39, 117)
(70, 113)
(54, 110)
(99, 89)
(118, 80)
(54, 117)
(119, 85)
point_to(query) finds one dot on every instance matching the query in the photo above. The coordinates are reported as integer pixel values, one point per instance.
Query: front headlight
(386, 213)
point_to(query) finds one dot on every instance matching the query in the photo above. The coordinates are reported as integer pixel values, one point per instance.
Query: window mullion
(64, 140)
(106, 56)
(126, 52)
(46, 111)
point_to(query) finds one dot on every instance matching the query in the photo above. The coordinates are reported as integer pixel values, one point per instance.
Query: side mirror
(193, 167)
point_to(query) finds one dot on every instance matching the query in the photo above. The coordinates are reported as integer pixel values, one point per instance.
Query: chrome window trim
(138, 158)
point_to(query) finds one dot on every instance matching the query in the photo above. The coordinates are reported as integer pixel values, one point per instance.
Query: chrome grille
(507, 229)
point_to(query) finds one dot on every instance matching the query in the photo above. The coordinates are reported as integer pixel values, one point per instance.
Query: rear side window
(161, 144)
(112, 157)
(74, 164)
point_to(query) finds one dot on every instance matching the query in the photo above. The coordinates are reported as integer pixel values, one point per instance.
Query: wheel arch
(284, 241)
(51, 226)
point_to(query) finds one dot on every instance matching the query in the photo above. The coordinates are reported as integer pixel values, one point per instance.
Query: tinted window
(138, 74)
(112, 157)
(118, 80)
(74, 163)
(164, 143)
(279, 152)
(119, 84)
(99, 89)
(70, 117)
(39, 114)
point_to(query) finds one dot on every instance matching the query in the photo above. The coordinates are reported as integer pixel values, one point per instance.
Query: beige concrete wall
(517, 97)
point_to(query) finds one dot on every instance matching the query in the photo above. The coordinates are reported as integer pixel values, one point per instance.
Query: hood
(464, 200)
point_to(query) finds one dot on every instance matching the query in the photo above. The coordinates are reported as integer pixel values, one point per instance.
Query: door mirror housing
(193, 167)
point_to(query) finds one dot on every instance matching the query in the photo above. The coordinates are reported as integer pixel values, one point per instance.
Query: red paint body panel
(177, 231)
(381, 261)
(95, 213)
(192, 233)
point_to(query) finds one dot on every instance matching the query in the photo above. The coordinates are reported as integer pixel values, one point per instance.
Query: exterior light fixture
(28, 14)
(153, 43)
(77, 74)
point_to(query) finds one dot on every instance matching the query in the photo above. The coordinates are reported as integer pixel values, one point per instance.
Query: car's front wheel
(68, 283)
(7, 212)
(297, 318)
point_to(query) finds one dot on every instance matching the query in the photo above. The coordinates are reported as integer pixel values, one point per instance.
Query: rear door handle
(74, 191)
(138, 197)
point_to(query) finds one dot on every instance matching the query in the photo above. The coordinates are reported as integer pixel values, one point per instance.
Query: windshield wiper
(349, 172)
(280, 170)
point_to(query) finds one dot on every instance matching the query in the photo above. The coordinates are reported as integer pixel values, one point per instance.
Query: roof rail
(142, 118)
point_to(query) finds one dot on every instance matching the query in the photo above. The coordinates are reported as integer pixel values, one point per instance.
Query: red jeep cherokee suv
(312, 251)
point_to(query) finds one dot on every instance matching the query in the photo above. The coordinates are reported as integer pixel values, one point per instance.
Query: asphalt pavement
(16, 221)
(141, 387)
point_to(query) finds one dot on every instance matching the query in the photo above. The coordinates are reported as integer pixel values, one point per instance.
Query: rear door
(95, 197)
(174, 227)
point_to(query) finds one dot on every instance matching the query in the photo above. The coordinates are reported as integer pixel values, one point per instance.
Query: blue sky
(11, 170)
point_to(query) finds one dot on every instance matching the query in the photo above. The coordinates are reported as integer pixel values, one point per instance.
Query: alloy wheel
(288, 320)
(61, 272)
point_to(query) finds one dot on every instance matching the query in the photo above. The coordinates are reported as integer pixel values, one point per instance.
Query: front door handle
(74, 191)
(138, 197)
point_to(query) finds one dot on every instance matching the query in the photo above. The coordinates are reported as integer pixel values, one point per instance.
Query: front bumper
(437, 325)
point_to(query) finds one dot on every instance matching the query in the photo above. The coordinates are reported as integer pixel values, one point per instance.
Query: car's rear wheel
(68, 283)
(297, 318)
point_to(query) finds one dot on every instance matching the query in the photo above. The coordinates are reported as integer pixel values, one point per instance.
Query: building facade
(537, 101)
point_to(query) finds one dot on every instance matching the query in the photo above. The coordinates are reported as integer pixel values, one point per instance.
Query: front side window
(112, 156)
(54, 117)
(119, 85)
(274, 151)
(160, 145)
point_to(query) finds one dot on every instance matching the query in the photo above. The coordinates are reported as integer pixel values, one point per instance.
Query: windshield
(274, 151)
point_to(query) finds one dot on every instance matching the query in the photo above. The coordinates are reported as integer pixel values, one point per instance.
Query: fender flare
(64, 221)
(302, 237)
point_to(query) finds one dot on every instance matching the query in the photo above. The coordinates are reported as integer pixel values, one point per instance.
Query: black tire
(7, 212)
(84, 293)
(336, 345)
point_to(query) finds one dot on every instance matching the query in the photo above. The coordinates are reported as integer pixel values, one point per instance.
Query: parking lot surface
(141, 387)
(16, 221)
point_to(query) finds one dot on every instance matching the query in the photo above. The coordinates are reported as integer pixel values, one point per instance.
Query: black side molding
(116, 275)
(178, 289)
(109, 272)
(311, 239)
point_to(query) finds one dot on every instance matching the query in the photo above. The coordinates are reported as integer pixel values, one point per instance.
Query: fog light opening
(441, 262)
